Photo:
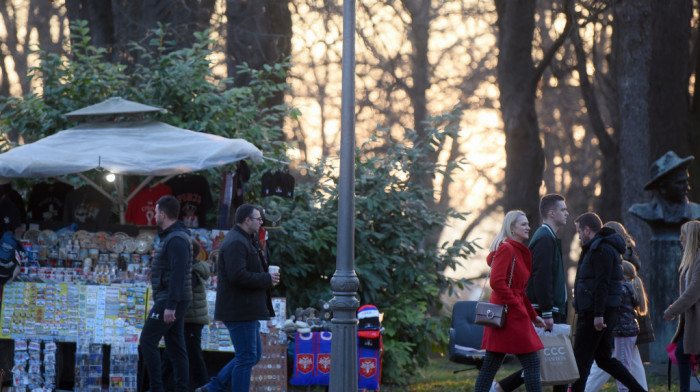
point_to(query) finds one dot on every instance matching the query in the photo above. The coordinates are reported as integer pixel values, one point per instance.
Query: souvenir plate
(144, 243)
(148, 237)
(101, 239)
(115, 244)
(65, 236)
(142, 246)
(121, 235)
(81, 234)
(84, 239)
(129, 245)
(48, 237)
(32, 235)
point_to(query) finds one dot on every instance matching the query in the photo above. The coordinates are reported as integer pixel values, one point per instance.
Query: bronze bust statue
(670, 204)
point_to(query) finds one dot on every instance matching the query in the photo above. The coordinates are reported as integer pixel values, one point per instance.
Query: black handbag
(492, 315)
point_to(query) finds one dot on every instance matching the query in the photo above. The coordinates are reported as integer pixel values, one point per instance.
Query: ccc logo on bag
(552, 351)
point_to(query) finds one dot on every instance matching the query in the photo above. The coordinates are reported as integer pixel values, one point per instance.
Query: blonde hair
(691, 232)
(506, 229)
(640, 295)
(620, 229)
(629, 272)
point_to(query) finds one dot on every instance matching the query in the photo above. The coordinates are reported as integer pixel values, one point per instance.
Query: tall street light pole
(344, 283)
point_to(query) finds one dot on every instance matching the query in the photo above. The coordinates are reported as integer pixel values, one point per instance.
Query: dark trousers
(683, 366)
(493, 361)
(153, 329)
(198, 368)
(591, 344)
(515, 380)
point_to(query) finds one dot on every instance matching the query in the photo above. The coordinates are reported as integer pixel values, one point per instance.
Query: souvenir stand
(87, 283)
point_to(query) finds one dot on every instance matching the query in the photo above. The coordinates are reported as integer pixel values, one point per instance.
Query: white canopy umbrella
(113, 106)
(145, 147)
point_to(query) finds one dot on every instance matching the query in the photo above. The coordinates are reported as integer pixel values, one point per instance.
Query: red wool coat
(518, 336)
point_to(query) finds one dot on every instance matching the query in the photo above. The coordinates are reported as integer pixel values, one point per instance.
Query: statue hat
(664, 165)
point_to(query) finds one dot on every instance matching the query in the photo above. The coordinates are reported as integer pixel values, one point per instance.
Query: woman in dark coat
(518, 336)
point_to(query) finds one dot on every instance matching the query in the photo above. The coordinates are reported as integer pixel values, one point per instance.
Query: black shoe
(201, 389)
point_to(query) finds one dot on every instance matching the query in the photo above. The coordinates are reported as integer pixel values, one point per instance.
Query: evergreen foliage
(399, 272)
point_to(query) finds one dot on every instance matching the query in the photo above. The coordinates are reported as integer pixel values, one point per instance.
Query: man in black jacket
(242, 299)
(597, 298)
(171, 285)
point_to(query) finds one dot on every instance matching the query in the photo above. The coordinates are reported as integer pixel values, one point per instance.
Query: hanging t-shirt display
(279, 183)
(87, 205)
(192, 191)
(47, 201)
(141, 210)
(15, 197)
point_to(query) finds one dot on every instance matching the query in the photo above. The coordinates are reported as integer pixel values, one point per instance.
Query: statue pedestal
(660, 275)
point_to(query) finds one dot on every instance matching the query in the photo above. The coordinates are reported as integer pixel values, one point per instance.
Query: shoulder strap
(510, 280)
(512, 267)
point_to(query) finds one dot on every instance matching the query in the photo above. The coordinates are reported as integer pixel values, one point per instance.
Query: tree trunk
(669, 120)
(419, 35)
(632, 57)
(115, 23)
(609, 204)
(100, 21)
(517, 81)
(183, 17)
(258, 33)
(695, 121)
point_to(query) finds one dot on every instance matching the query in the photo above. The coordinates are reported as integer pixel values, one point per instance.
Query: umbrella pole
(119, 184)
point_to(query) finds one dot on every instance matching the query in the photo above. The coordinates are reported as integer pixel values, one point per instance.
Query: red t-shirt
(142, 207)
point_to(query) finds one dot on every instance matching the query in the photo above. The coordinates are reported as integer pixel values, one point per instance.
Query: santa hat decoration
(369, 324)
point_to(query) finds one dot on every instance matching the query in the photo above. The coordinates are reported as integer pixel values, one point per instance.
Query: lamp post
(344, 283)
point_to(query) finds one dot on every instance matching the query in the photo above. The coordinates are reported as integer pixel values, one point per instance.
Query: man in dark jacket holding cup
(242, 299)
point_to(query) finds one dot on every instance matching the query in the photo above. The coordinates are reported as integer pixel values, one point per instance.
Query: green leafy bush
(399, 271)
(181, 81)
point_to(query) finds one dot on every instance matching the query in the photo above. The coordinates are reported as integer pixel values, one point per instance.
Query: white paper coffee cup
(274, 269)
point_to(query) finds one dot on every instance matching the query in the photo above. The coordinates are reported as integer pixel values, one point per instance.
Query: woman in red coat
(518, 336)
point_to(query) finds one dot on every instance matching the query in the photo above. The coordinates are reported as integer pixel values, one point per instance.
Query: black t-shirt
(87, 205)
(16, 198)
(279, 183)
(47, 201)
(194, 195)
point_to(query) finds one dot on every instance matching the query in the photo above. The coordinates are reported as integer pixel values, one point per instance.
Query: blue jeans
(245, 336)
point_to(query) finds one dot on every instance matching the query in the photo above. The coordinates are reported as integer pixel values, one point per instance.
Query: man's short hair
(244, 211)
(548, 202)
(590, 220)
(169, 205)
